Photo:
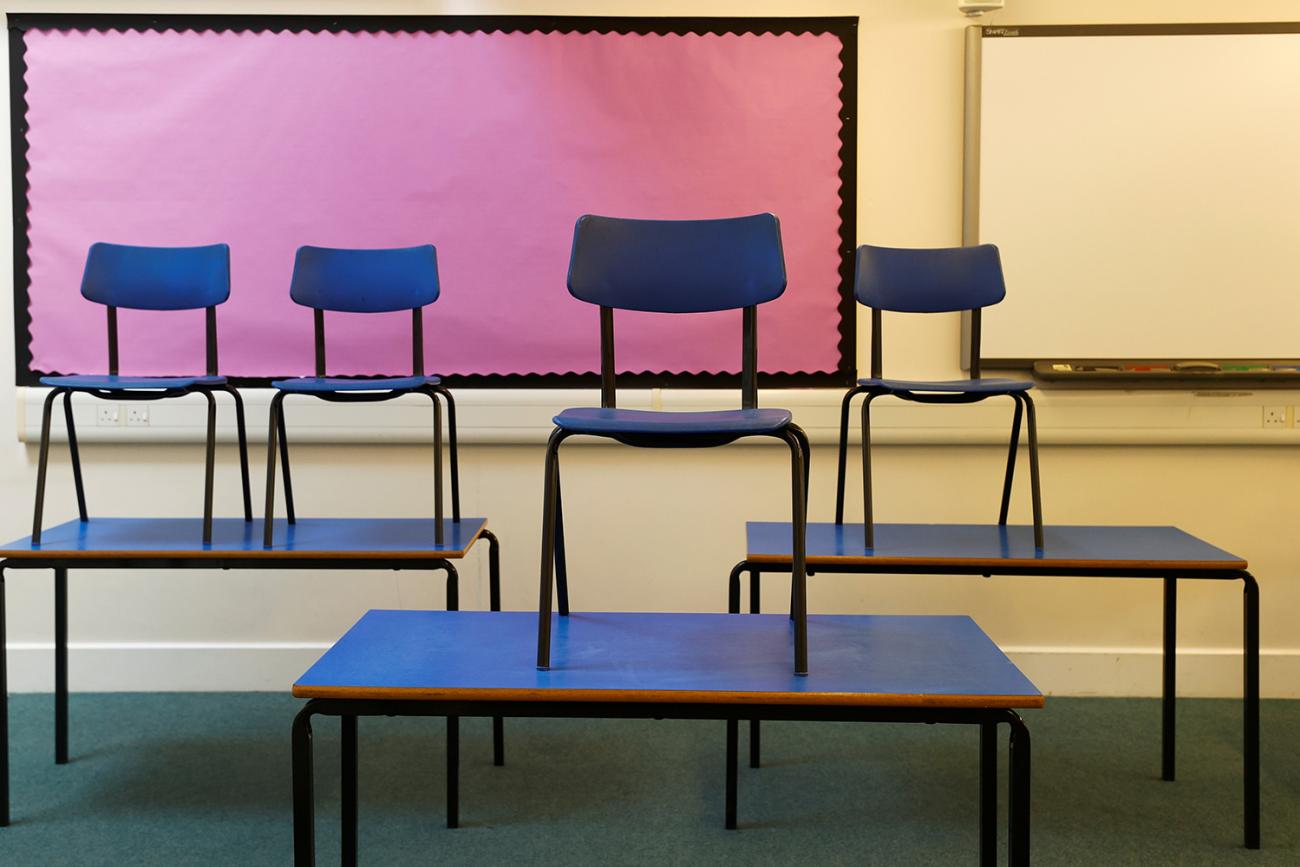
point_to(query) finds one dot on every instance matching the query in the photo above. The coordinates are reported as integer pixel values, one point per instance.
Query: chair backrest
(678, 266)
(928, 280)
(158, 278)
(367, 281)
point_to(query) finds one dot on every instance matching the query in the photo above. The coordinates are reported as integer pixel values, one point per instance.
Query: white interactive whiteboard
(1143, 184)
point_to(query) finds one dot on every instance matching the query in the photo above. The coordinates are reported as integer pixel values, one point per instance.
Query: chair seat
(328, 384)
(952, 386)
(127, 383)
(593, 420)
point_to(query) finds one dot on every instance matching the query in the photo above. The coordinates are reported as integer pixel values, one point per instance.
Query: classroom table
(176, 543)
(1166, 553)
(677, 666)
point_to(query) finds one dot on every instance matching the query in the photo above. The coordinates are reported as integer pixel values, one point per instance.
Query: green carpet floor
(195, 778)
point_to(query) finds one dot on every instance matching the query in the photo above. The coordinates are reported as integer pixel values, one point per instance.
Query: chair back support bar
(749, 359)
(112, 341)
(318, 329)
(608, 377)
(209, 341)
(928, 280)
(877, 345)
(417, 341)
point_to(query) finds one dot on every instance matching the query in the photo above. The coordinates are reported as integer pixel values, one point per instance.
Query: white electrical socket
(1275, 416)
(137, 415)
(109, 414)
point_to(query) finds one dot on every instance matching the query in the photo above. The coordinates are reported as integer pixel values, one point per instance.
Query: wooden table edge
(1173, 566)
(242, 553)
(528, 695)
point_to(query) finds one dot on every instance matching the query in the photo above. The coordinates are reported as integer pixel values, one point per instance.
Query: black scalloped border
(844, 28)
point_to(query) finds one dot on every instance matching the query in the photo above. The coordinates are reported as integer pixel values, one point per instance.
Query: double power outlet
(115, 414)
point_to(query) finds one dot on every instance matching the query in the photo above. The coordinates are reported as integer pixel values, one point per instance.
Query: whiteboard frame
(970, 206)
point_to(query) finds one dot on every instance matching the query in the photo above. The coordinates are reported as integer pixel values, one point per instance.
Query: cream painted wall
(154, 630)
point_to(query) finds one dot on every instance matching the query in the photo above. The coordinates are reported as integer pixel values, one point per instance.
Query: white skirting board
(272, 667)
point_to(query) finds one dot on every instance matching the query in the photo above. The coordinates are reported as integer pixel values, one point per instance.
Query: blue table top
(991, 545)
(862, 660)
(161, 538)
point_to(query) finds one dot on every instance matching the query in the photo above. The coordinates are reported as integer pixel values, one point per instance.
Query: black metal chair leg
(438, 534)
(304, 796)
(209, 471)
(76, 455)
(806, 448)
(842, 463)
(289, 513)
(561, 558)
(241, 430)
(1011, 460)
(798, 572)
(733, 587)
(1032, 418)
(42, 463)
(453, 586)
(451, 442)
(494, 604)
(549, 497)
(269, 512)
(868, 516)
(494, 570)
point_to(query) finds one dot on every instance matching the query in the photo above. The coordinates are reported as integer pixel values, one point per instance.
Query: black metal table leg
(304, 806)
(1169, 687)
(755, 726)
(1250, 711)
(4, 711)
(988, 794)
(1019, 792)
(61, 666)
(348, 826)
(453, 772)
(733, 731)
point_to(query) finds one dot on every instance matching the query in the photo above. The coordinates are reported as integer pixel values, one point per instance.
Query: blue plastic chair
(364, 281)
(674, 266)
(148, 278)
(938, 280)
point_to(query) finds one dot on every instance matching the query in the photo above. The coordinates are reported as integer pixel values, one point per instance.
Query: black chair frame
(208, 391)
(277, 432)
(553, 566)
(1024, 408)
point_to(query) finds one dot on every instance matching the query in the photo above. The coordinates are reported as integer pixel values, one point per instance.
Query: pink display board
(486, 144)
